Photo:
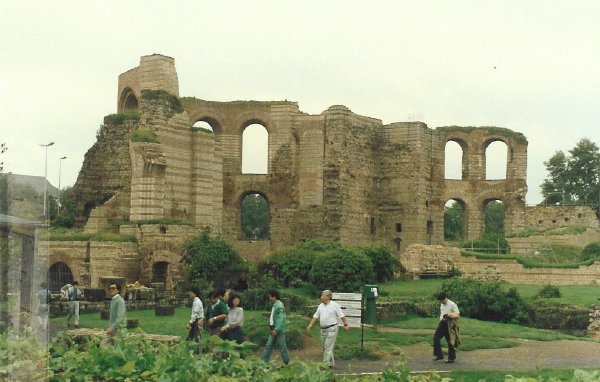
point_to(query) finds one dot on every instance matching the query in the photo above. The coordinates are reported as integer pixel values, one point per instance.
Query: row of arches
(457, 214)
(495, 158)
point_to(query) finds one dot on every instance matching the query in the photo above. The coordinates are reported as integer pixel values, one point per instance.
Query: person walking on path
(73, 295)
(277, 324)
(447, 328)
(197, 315)
(235, 319)
(328, 313)
(117, 318)
(217, 313)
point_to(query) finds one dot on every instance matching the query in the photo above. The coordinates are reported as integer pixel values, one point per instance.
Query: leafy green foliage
(212, 259)
(160, 95)
(494, 218)
(486, 300)
(3, 149)
(549, 291)
(290, 266)
(76, 234)
(552, 315)
(119, 118)
(342, 270)
(591, 251)
(255, 217)
(453, 222)
(573, 178)
(142, 135)
(384, 264)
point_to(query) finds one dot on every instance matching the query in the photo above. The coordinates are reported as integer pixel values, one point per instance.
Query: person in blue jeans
(277, 324)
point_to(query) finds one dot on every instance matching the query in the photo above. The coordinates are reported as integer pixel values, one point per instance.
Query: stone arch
(499, 148)
(128, 101)
(168, 254)
(255, 147)
(486, 211)
(214, 124)
(463, 159)
(259, 226)
(464, 223)
(59, 274)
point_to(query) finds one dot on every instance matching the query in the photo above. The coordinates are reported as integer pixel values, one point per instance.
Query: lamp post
(46, 175)
(59, 171)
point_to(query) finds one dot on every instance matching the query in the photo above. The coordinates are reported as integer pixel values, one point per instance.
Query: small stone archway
(128, 101)
(207, 123)
(464, 217)
(161, 260)
(254, 225)
(496, 147)
(59, 274)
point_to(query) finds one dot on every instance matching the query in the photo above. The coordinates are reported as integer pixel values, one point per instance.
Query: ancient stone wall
(533, 245)
(548, 217)
(422, 260)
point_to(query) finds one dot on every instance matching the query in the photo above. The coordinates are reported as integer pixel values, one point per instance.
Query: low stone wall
(421, 260)
(593, 329)
(61, 308)
(529, 245)
(395, 309)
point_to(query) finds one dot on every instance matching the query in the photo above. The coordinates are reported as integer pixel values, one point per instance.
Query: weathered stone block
(164, 310)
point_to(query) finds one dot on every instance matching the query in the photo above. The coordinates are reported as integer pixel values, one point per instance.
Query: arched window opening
(128, 101)
(454, 220)
(495, 160)
(203, 125)
(255, 217)
(255, 149)
(160, 271)
(454, 161)
(59, 275)
(495, 213)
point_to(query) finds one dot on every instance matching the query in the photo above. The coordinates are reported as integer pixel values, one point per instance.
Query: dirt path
(528, 355)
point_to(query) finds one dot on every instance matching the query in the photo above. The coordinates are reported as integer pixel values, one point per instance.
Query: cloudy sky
(530, 66)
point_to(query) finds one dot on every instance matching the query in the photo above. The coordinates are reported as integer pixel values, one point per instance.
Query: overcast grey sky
(394, 60)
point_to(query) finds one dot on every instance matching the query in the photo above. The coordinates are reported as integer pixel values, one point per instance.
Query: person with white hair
(328, 313)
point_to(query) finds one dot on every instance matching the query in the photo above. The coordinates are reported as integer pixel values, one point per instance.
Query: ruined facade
(335, 175)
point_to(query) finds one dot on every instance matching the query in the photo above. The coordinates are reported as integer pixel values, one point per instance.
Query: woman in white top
(235, 319)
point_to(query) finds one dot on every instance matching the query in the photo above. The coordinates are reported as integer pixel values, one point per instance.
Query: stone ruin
(336, 175)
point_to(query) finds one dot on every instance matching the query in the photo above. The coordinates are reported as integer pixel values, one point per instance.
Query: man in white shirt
(328, 313)
(448, 312)
(197, 314)
(73, 294)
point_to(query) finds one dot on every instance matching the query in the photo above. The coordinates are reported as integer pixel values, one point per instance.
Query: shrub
(486, 301)
(119, 118)
(549, 291)
(142, 135)
(341, 270)
(212, 259)
(591, 251)
(384, 264)
(290, 266)
(319, 245)
(551, 315)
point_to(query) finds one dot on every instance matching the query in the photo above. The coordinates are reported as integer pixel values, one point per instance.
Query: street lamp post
(46, 176)
(59, 172)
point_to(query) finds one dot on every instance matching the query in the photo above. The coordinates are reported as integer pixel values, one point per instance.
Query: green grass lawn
(582, 295)
(500, 375)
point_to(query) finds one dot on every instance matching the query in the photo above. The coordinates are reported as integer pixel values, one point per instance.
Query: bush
(549, 291)
(551, 315)
(214, 260)
(384, 264)
(341, 270)
(141, 135)
(486, 301)
(591, 251)
(291, 267)
(119, 118)
(318, 245)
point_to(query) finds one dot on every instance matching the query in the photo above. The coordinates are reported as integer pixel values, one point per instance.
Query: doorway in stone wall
(160, 272)
(59, 274)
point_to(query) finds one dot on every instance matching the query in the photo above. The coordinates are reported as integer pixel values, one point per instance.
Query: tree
(255, 217)
(3, 149)
(494, 218)
(573, 178)
(453, 221)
